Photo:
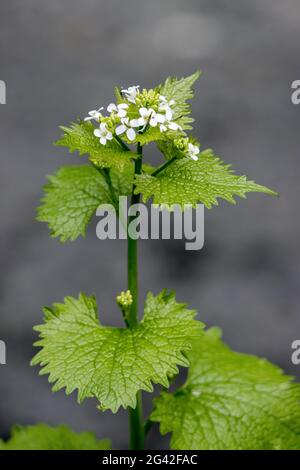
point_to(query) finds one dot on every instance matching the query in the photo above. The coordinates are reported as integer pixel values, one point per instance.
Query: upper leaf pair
(74, 194)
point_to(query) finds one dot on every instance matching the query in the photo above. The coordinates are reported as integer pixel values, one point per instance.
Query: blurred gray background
(63, 58)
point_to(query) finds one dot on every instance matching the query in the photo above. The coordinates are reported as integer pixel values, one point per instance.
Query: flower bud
(124, 299)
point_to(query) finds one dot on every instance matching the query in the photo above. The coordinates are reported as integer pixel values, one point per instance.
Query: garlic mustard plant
(230, 400)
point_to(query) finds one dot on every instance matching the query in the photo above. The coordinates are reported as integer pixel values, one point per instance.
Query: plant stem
(163, 166)
(107, 177)
(121, 142)
(137, 435)
(135, 415)
(105, 172)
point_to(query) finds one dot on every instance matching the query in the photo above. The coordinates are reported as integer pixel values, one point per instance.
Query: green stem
(106, 173)
(137, 435)
(120, 141)
(163, 166)
(107, 177)
(135, 415)
(124, 314)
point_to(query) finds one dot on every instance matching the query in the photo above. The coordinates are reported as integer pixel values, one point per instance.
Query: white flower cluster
(162, 117)
(147, 108)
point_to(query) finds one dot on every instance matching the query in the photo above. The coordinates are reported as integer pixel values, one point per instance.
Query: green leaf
(230, 401)
(80, 137)
(43, 437)
(153, 134)
(169, 149)
(118, 95)
(180, 91)
(73, 195)
(122, 181)
(113, 364)
(189, 182)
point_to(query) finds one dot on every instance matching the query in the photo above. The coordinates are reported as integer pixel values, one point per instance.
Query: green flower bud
(181, 143)
(124, 299)
(148, 99)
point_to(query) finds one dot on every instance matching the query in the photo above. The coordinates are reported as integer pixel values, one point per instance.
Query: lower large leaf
(43, 437)
(113, 364)
(230, 401)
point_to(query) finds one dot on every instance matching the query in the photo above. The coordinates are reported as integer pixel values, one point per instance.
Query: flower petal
(131, 99)
(160, 118)
(112, 107)
(173, 126)
(121, 129)
(142, 121)
(144, 112)
(122, 113)
(169, 114)
(153, 121)
(135, 123)
(131, 134)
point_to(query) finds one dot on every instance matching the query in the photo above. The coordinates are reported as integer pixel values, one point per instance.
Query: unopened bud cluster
(124, 299)
(188, 148)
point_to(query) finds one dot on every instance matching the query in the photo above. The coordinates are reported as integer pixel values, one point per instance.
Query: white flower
(103, 133)
(165, 107)
(193, 151)
(94, 114)
(143, 119)
(157, 118)
(163, 99)
(148, 115)
(120, 109)
(124, 127)
(172, 126)
(131, 93)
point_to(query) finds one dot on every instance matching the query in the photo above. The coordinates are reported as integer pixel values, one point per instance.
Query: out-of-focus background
(62, 58)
